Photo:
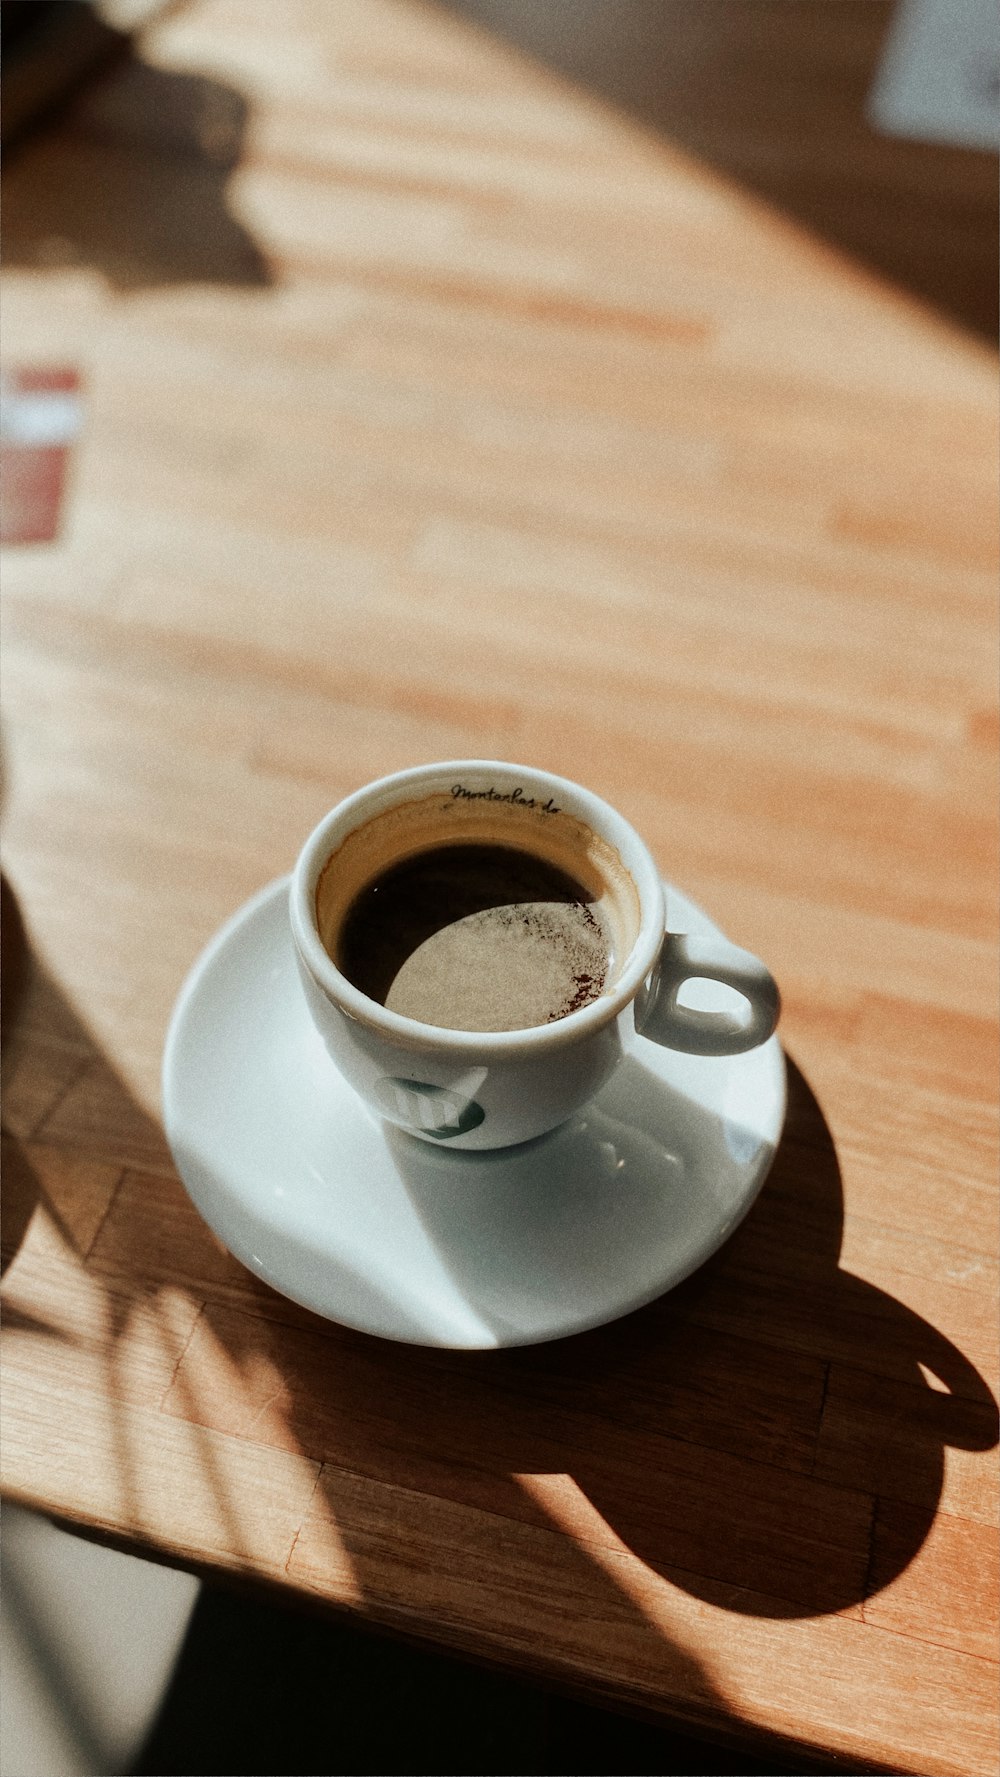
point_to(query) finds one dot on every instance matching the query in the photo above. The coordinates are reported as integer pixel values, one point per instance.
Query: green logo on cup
(433, 1110)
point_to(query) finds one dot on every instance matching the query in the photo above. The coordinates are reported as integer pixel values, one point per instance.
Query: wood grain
(453, 396)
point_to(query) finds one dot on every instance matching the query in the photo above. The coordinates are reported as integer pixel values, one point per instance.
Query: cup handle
(686, 957)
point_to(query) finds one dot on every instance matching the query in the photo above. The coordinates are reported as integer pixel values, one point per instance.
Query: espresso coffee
(475, 936)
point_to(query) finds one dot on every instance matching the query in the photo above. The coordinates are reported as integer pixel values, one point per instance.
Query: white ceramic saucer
(380, 1231)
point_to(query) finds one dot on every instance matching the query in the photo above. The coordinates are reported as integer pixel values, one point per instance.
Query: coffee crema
(534, 915)
(476, 936)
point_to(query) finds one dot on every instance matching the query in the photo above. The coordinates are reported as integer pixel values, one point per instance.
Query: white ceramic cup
(489, 1089)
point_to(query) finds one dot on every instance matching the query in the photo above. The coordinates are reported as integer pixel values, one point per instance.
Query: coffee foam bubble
(505, 968)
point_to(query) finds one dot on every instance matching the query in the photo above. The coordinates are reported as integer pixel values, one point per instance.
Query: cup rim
(362, 805)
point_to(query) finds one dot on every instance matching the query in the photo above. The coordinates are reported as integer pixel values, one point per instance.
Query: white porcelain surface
(380, 1231)
(474, 1089)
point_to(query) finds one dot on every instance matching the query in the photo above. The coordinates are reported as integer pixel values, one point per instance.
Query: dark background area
(260, 1689)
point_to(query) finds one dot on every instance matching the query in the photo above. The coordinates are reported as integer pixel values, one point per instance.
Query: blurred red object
(41, 413)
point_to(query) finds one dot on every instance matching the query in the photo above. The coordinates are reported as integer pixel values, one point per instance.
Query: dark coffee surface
(475, 937)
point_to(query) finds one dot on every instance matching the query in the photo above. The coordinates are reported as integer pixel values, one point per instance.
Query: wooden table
(440, 406)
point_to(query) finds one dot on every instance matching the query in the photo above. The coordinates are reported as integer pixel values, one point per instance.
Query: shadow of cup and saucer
(788, 1420)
